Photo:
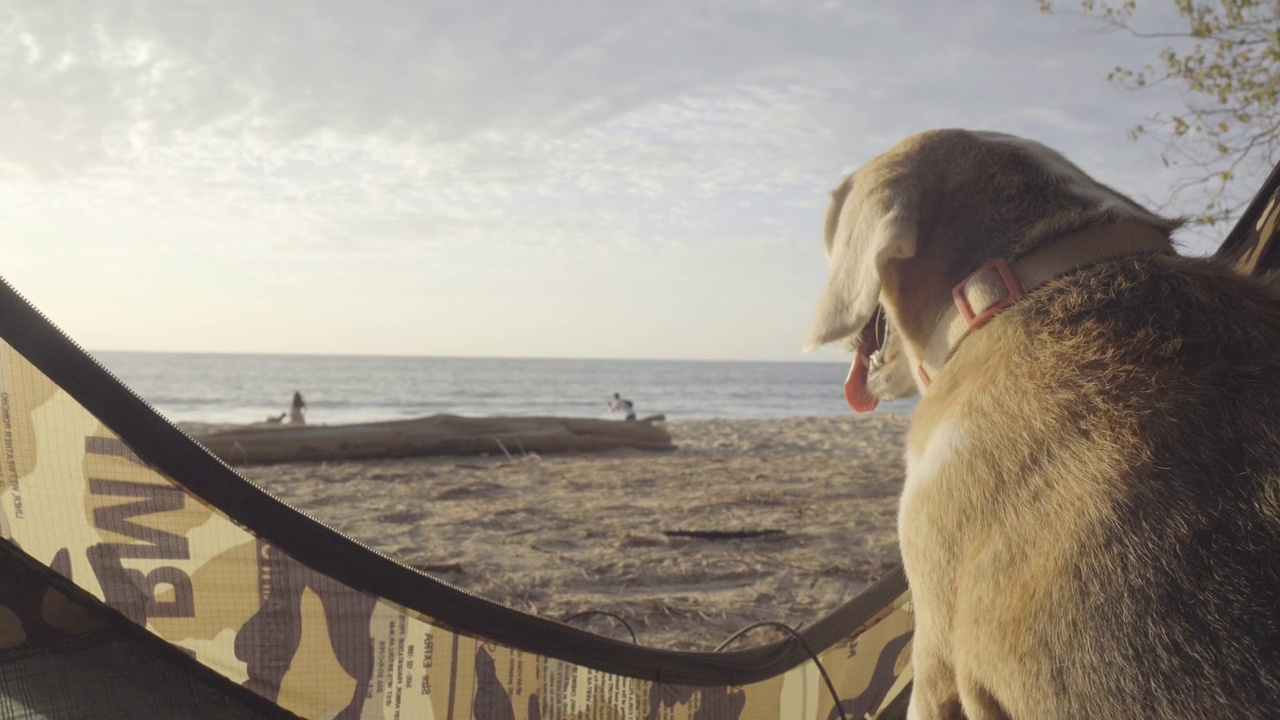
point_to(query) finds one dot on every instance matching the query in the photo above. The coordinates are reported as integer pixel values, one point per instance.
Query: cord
(831, 687)
(586, 613)
(794, 635)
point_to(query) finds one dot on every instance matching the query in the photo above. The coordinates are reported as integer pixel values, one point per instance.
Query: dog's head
(902, 231)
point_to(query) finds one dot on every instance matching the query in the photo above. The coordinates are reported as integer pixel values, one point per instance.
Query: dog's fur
(1091, 517)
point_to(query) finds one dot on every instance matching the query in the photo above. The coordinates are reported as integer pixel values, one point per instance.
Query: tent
(144, 578)
(140, 577)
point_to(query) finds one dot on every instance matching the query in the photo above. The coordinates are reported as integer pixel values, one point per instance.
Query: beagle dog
(1090, 522)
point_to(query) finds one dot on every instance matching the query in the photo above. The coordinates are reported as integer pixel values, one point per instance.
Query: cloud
(428, 71)
(257, 147)
(325, 121)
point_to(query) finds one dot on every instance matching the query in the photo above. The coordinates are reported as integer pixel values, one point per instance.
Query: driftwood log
(434, 435)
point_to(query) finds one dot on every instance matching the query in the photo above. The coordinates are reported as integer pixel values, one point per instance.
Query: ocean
(233, 388)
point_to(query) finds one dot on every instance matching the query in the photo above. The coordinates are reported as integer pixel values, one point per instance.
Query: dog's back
(1156, 421)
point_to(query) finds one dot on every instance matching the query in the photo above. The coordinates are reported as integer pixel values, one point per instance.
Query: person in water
(298, 410)
(620, 404)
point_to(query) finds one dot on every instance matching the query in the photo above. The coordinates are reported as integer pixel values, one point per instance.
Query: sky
(603, 179)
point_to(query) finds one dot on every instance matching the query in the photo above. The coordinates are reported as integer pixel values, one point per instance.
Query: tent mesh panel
(106, 675)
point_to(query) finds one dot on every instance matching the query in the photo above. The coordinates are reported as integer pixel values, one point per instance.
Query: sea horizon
(808, 359)
(242, 388)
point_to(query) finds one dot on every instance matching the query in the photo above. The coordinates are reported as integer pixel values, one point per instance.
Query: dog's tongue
(855, 386)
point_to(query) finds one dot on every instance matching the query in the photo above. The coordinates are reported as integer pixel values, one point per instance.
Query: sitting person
(619, 404)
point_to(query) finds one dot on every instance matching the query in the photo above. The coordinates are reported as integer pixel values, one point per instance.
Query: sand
(561, 534)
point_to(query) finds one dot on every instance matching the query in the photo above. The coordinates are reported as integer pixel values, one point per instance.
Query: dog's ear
(864, 230)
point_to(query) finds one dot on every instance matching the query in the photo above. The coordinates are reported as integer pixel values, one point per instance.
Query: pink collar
(997, 285)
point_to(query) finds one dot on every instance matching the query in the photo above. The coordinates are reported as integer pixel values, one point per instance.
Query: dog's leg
(978, 702)
(934, 695)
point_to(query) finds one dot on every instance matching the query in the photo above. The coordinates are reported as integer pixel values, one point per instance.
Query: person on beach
(298, 410)
(620, 404)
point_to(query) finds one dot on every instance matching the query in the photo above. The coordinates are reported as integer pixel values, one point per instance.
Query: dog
(1090, 522)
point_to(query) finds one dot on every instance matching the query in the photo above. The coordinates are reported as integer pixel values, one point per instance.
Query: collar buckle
(1013, 293)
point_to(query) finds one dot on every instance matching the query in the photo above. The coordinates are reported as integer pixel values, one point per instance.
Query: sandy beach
(748, 520)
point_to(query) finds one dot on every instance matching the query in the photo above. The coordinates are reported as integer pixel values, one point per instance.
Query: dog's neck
(997, 285)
